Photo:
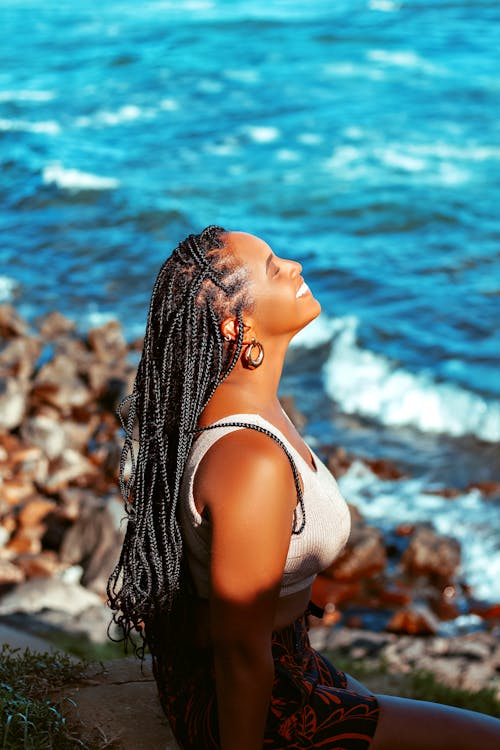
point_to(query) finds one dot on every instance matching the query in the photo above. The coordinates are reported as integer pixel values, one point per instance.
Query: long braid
(184, 358)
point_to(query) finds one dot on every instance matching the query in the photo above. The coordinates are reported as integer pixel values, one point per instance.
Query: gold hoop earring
(247, 355)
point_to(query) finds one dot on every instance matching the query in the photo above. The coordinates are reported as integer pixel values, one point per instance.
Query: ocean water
(361, 138)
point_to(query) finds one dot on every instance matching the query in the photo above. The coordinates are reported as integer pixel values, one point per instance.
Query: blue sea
(360, 137)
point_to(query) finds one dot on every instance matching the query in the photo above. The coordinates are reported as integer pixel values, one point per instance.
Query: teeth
(303, 289)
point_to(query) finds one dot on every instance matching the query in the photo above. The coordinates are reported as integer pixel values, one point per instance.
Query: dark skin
(251, 513)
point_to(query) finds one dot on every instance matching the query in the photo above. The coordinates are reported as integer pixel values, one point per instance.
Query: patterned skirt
(310, 706)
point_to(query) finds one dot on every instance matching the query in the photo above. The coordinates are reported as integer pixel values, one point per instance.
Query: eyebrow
(268, 261)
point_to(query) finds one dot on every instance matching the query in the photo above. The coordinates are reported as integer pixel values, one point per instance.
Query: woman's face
(283, 303)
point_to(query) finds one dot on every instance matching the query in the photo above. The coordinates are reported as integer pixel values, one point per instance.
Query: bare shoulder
(244, 461)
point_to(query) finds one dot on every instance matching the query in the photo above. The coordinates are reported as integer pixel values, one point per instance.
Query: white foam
(50, 127)
(170, 105)
(127, 113)
(470, 519)
(262, 133)
(286, 154)
(317, 333)
(244, 75)
(386, 6)
(402, 59)
(310, 139)
(370, 385)
(8, 287)
(26, 96)
(395, 158)
(74, 179)
(352, 70)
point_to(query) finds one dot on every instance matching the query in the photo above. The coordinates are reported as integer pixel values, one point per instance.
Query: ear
(230, 328)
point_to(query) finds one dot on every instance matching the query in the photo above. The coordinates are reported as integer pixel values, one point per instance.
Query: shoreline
(60, 510)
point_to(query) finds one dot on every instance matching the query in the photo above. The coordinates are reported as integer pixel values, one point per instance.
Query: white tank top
(327, 517)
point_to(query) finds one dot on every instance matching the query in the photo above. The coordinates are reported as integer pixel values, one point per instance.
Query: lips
(302, 290)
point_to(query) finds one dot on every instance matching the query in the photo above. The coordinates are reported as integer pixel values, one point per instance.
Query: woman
(231, 516)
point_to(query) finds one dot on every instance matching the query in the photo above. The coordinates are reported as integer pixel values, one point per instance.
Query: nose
(296, 268)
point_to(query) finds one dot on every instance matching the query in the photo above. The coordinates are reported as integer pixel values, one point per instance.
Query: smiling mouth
(302, 290)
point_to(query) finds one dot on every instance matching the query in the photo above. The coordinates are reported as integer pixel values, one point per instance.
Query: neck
(246, 390)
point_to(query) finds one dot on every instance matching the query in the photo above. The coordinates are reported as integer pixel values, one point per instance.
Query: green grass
(420, 685)
(29, 719)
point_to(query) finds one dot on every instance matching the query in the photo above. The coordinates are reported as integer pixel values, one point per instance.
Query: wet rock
(59, 384)
(55, 324)
(364, 555)
(490, 489)
(11, 324)
(36, 566)
(416, 620)
(48, 593)
(29, 462)
(70, 467)
(94, 542)
(327, 591)
(431, 554)
(45, 432)
(107, 342)
(19, 356)
(384, 469)
(26, 540)
(339, 461)
(9, 573)
(35, 511)
(12, 403)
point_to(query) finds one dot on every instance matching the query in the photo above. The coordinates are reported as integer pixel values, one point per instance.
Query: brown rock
(38, 565)
(19, 357)
(415, 620)
(449, 492)
(94, 543)
(12, 403)
(59, 384)
(55, 324)
(107, 342)
(15, 490)
(11, 324)
(383, 468)
(431, 554)
(34, 511)
(326, 591)
(27, 539)
(45, 432)
(486, 610)
(69, 468)
(489, 489)
(10, 573)
(339, 462)
(363, 556)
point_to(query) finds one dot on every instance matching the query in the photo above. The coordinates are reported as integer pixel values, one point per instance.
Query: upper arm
(246, 483)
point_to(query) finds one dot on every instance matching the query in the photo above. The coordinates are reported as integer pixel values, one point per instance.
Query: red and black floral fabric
(310, 707)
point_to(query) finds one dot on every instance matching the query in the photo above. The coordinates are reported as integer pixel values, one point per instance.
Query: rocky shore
(61, 530)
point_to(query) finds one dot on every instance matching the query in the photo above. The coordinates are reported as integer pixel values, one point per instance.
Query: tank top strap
(254, 422)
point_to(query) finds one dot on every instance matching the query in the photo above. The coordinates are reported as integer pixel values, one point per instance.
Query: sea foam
(469, 518)
(371, 385)
(50, 127)
(73, 179)
(7, 288)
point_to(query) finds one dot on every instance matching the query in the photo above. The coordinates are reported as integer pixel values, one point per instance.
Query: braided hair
(184, 358)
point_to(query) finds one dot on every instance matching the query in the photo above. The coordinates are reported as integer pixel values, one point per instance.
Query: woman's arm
(246, 484)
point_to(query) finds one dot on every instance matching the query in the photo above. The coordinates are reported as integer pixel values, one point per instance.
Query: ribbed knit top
(327, 524)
